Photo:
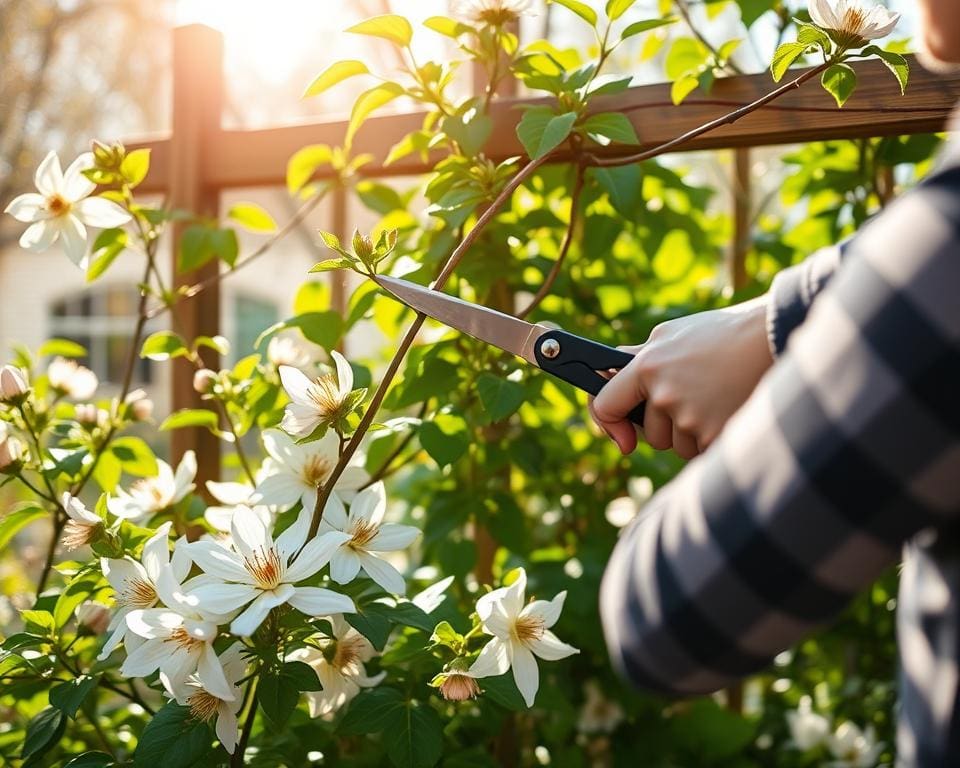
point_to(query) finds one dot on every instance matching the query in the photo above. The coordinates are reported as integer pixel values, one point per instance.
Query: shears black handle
(576, 360)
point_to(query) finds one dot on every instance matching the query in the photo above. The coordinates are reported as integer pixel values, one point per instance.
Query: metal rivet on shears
(550, 348)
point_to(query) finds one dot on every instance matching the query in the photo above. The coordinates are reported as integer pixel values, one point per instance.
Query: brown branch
(685, 13)
(551, 278)
(451, 264)
(727, 119)
(196, 288)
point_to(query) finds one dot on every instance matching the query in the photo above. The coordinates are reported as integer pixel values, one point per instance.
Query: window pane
(253, 316)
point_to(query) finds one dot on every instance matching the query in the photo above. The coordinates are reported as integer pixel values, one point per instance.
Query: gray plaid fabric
(847, 453)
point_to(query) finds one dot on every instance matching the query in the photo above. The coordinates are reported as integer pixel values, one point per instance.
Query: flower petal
(180, 562)
(369, 505)
(154, 623)
(28, 208)
(317, 601)
(73, 239)
(392, 536)
(226, 729)
(335, 514)
(120, 571)
(180, 664)
(282, 449)
(353, 477)
(297, 385)
(526, 674)
(49, 177)
(549, 647)
(315, 554)
(97, 212)
(344, 374)
(223, 598)
(247, 622)
(382, 573)
(146, 659)
(548, 610)
(344, 565)
(249, 533)
(279, 490)
(230, 494)
(76, 186)
(292, 539)
(113, 641)
(219, 562)
(494, 659)
(39, 236)
(210, 674)
(186, 472)
(156, 552)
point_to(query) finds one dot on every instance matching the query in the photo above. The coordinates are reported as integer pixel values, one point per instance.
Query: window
(252, 317)
(102, 321)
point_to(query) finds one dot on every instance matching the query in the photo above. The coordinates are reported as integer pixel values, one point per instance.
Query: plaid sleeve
(847, 448)
(793, 291)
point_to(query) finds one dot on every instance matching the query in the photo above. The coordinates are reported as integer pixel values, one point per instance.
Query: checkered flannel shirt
(846, 455)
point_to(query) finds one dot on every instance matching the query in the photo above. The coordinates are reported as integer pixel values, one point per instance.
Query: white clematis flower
(367, 534)
(854, 748)
(495, 13)
(150, 495)
(287, 350)
(852, 24)
(204, 706)
(67, 377)
(178, 640)
(135, 584)
(231, 496)
(292, 472)
(808, 730)
(83, 525)
(62, 208)
(339, 667)
(519, 634)
(325, 400)
(260, 572)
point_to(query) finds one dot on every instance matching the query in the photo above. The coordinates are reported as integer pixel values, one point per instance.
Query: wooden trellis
(199, 159)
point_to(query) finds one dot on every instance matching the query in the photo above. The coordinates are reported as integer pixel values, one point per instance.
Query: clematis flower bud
(141, 406)
(11, 456)
(13, 385)
(92, 618)
(205, 380)
(362, 246)
(67, 377)
(459, 686)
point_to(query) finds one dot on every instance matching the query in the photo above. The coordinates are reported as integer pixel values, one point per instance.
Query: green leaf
(91, 760)
(15, 521)
(639, 27)
(200, 244)
(893, 61)
(623, 185)
(135, 166)
(811, 35)
(323, 328)
(839, 81)
(224, 245)
(163, 345)
(190, 417)
(330, 264)
(783, 57)
(444, 447)
(751, 10)
(172, 739)
(61, 348)
(616, 8)
(540, 130)
(278, 695)
(445, 634)
(503, 690)
(43, 733)
(335, 73)
(372, 711)
(302, 675)
(683, 87)
(470, 134)
(76, 592)
(372, 621)
(109, 244)
(39, 622)
(612, 126)
(390, 27)
(500, 397)
(582, 10)
(68, 696)
(369, 101)
(686, 57)
(135, 456)
(445, 26)
(253, 217)
(304, 163)
(415, 738)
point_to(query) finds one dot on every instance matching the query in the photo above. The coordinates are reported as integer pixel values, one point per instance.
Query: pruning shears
(567, 356)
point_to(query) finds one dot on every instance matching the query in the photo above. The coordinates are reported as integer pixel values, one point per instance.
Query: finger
(684, 444)
(658, 428)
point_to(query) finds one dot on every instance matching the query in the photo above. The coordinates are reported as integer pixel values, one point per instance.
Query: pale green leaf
(135, 166)
(616, 8)
(582, 10)
(334, 74)
(369, 101)
(783, 57)
(610, 126)
(839, 81)
(541, 131)
(252, 217)
(163, 345)
(893, 61)
(304, 163)
(390, 27)
(639, 27)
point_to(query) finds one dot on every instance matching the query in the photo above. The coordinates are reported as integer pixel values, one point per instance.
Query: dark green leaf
(500, 397)
(43, 733)
(414, 738)
(444, 447)
(323, 328)
(503, 690)
(302, 675)
(623, 185)
(91, 760)
(612, 126)
(278, 695)
(373, 622)
(541, 131)
(372, 711)
(68, 696)
(172, 739)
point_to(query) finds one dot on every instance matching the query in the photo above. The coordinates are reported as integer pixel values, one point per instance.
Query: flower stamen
(528, 628)
(266, 567)
(137, 593)
(203, 705)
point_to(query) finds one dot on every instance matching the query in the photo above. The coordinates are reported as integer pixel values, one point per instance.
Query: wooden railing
(200, 159)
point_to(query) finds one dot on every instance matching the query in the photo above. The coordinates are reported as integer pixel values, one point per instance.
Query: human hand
(693, 373)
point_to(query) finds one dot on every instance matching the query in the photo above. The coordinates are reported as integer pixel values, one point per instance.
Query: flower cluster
(850, 746)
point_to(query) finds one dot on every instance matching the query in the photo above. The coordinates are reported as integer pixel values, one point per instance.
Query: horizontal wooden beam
(259, 157)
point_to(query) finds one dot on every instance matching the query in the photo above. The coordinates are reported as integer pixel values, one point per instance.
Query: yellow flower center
(203, 705)
(58, 205)
(265, 567)
(363, 532)
(347, 653)
(853, 20)
(183, 639)
(317, 470)
(528, 628)
(459, 687)
(325, 394)
(152, 490)
(76, 535)
(137, 593)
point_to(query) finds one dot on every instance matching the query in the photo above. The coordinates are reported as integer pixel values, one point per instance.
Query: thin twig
(292, 224)
(237, 760)
(685, 12)
(727, 119)
(384, 469)
(551, 278)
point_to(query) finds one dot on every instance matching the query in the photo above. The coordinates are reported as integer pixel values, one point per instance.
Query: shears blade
(488, 325)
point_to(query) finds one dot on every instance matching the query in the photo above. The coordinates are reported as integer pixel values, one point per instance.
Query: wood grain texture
(259, 157)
